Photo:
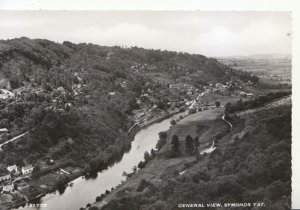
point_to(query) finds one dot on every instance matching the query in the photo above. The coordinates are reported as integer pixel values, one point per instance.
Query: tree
(161, 105)
(143, 184)
(153, 154)
(162, 134)
(189, 144)
(196, 143)
(94, 208)
(132, 105)
(141, 164)
(160, 143)
(35, 171)
(175, 146)
(61, 182)
(147, 156)
(173, 122)
(276, 190)
(175, 142)
(98, 198)
(228, 107)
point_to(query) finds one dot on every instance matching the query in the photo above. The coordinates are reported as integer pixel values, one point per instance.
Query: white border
(148, 4)
(224, 5)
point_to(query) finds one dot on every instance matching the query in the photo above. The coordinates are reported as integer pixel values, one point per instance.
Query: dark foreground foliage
(255, 167)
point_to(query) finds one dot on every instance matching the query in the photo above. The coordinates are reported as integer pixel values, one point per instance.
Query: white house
(3, 130)
(112, 93)
(27, 169)
(5, 177)
(8, 188)
(13, 169)
(4, 94)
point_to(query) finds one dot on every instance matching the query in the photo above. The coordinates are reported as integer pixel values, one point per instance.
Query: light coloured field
(267, 68)
(200, 116)
(206, 125)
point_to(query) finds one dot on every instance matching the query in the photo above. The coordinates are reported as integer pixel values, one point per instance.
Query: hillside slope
(70, 106)
(79, 98)
(251, 164)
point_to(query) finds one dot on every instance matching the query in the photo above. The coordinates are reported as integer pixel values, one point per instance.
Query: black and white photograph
(145, 109)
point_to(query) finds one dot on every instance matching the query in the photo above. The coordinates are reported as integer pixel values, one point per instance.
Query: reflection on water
(85, 190)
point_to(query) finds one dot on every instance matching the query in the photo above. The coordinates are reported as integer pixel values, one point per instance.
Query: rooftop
(27, 167)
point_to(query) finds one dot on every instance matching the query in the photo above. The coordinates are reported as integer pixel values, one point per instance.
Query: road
(223, 118)
(14, 139)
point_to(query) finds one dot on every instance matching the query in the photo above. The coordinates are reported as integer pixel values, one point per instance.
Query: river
(85, 190)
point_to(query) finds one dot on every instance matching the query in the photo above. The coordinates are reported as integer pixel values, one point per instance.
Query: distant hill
(87, 93)
(43, 55)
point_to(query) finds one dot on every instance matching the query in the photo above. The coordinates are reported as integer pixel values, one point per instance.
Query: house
(5, 177)
(3, 130)
(8, 188)
(13, 169)
(4, 82)
(112, 93)
(27, 169)
(61, 89)
(70, 140)
(4, 94)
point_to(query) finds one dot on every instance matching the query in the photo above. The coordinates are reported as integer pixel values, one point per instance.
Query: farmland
(269, 68)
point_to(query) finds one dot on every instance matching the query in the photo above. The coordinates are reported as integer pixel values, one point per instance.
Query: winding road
(14, 139)
(223, 118)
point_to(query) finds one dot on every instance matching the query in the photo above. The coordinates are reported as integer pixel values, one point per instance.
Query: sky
(209, 33)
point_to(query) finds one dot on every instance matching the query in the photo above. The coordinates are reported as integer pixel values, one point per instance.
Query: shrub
(143, 184)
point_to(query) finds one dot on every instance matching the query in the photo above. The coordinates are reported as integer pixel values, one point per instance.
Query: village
(17, 182)
(13, 182)
(176, 95)
(191, 98)
(17, 185)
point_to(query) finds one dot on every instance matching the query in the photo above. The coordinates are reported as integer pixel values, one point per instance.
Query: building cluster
(6, 94)
(12, 173)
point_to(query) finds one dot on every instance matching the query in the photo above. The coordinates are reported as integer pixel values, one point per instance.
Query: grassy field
(206, 124)
(242, 156)
(270, 69)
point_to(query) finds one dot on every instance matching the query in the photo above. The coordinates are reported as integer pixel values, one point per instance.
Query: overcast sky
(207, 33)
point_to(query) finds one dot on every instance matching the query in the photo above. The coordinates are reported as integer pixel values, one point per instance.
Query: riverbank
(137, 126)
(73, 177)
(155, 170)
(168, 181)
